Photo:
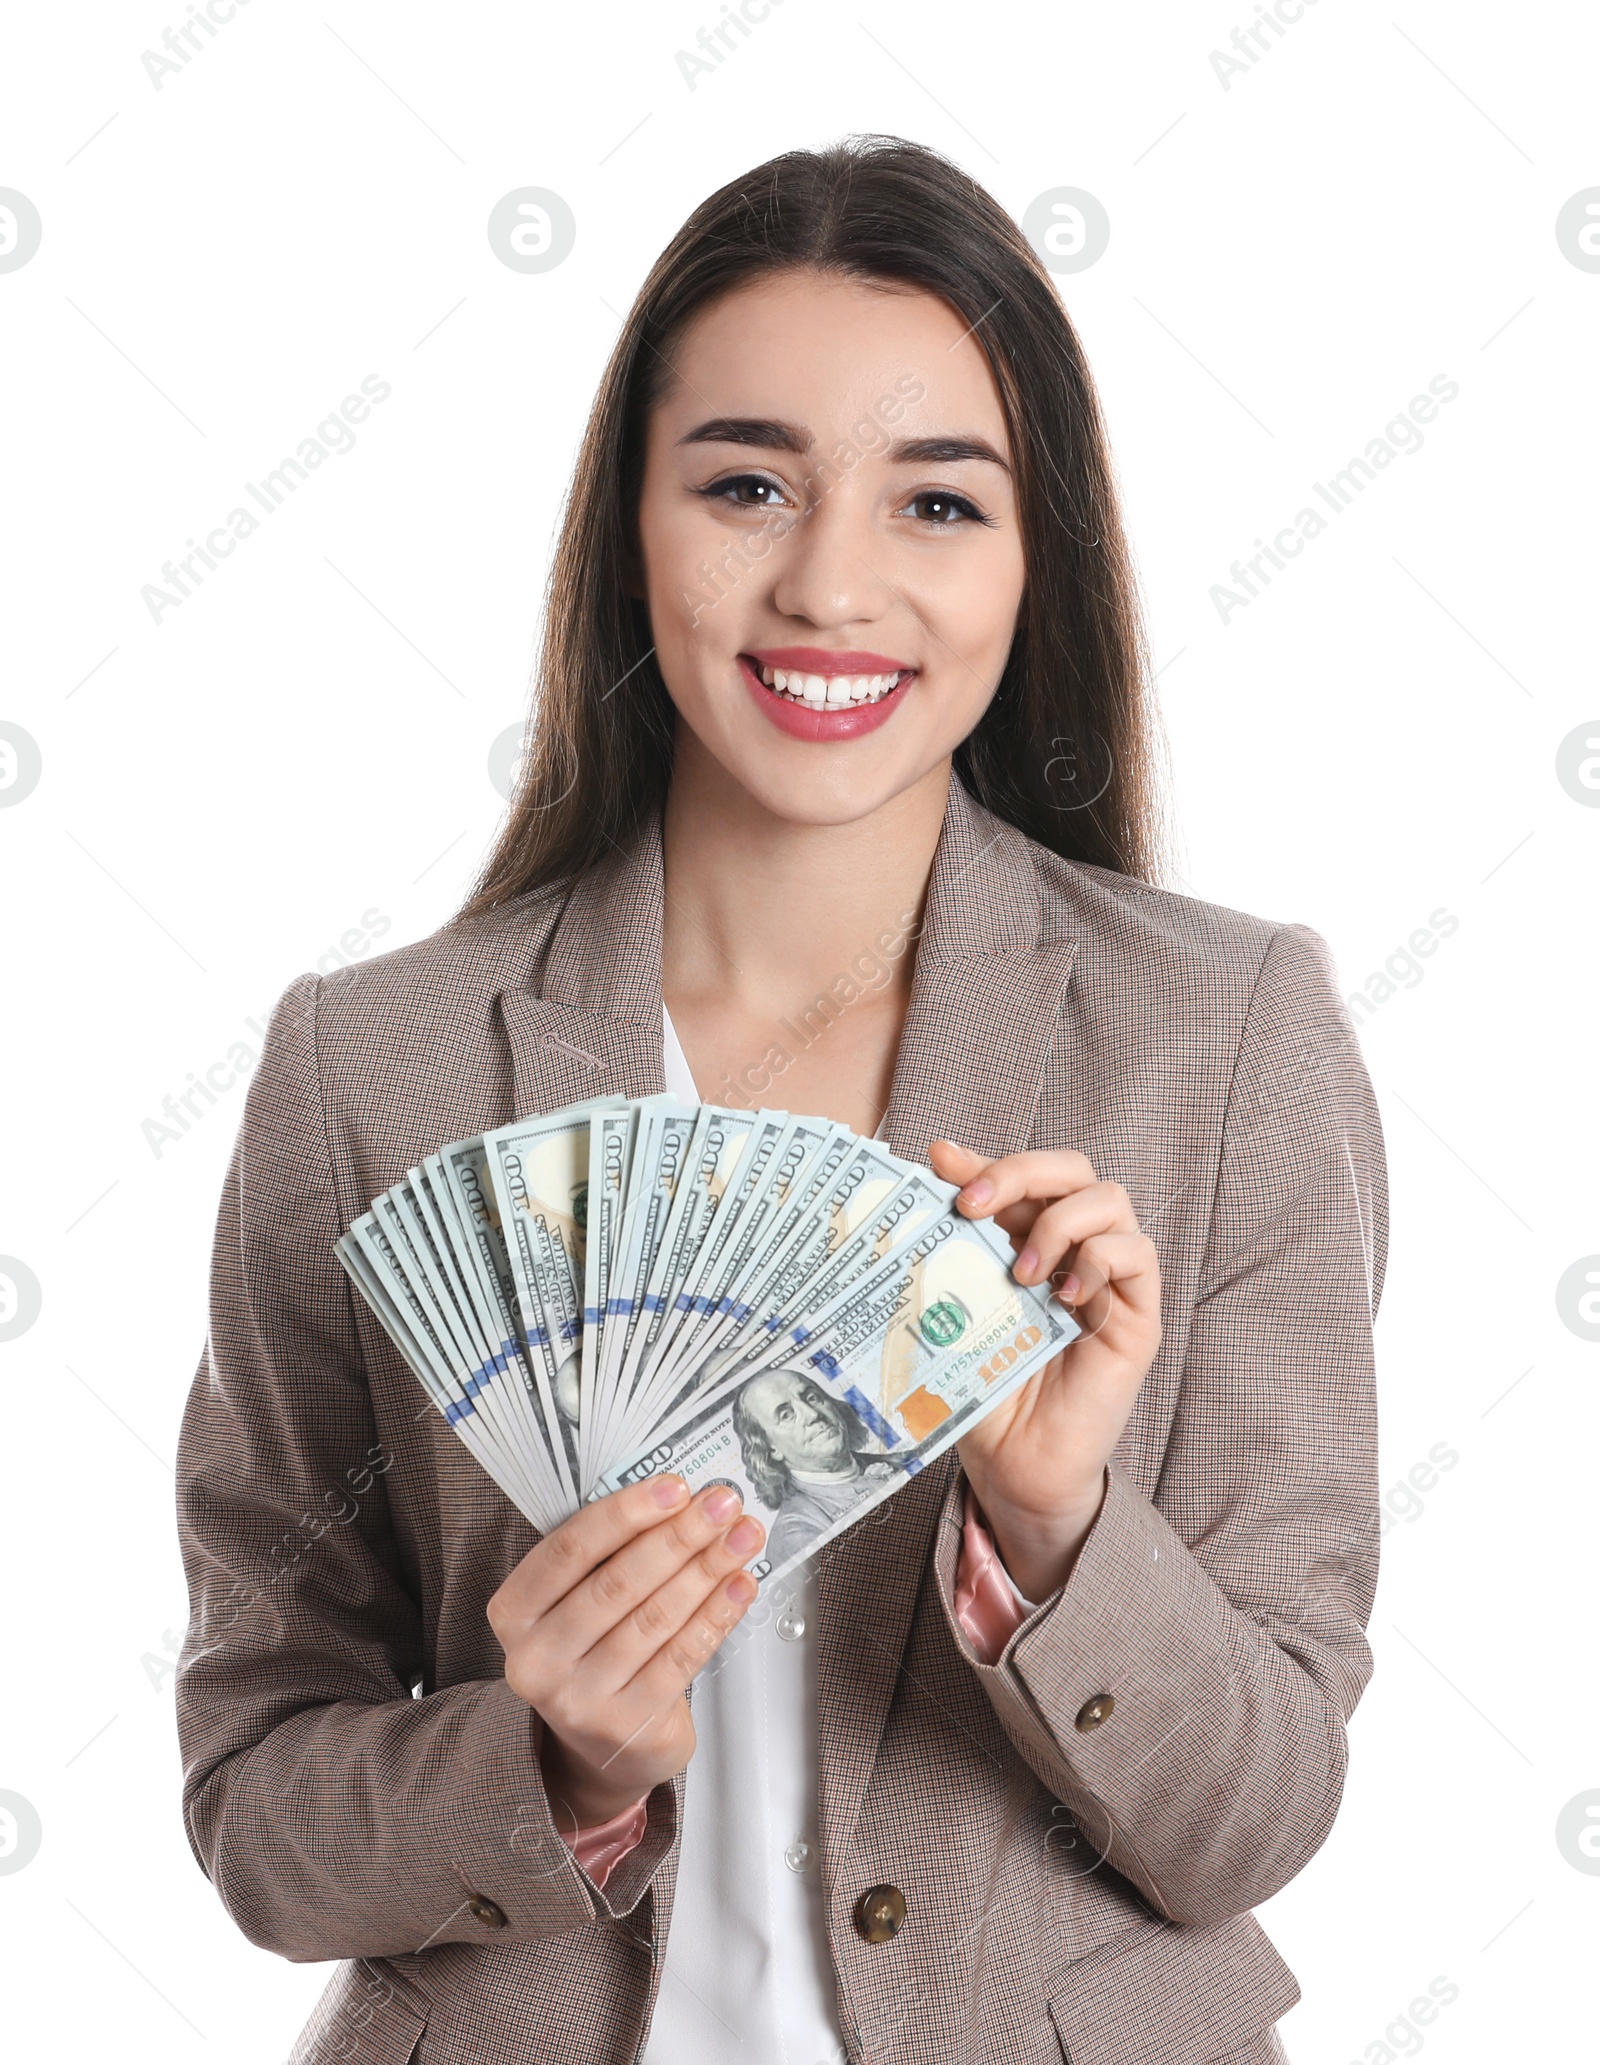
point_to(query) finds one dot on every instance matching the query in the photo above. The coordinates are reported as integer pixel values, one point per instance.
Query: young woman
(840, 797)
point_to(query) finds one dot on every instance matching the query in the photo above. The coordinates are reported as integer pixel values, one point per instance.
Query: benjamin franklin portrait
(809, 1456)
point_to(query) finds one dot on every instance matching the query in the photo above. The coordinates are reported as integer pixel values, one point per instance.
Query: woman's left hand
(1037, 1463)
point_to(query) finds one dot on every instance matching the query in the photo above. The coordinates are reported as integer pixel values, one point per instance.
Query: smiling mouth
(828, 691)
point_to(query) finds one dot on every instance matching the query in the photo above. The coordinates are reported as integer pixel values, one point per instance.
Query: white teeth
(821, 691)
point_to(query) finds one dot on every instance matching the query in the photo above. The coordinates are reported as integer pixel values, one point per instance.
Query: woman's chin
(800, 784)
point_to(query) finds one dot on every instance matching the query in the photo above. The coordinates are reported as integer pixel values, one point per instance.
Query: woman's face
(829, 541)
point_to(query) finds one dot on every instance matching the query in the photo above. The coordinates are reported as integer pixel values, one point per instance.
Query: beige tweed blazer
(361, 1784)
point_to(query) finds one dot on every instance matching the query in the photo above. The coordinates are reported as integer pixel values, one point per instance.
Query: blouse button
(879, 1913)
(489, 1912)
(1094, 1711)
(791, 1624)
(798, 1855)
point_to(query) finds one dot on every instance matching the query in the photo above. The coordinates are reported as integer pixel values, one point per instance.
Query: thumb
(956, 1164)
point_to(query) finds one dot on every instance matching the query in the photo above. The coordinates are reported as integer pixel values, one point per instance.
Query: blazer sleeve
(337, 1815)
(1226, 1619)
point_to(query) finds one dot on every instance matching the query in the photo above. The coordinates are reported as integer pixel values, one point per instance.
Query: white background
(304, 740)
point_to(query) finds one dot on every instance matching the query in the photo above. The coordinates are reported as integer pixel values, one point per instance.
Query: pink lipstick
(813, 693)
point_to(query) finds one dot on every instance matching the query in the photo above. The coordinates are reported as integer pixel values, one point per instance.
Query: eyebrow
(767, 433)
(945, 451)
(764, 431)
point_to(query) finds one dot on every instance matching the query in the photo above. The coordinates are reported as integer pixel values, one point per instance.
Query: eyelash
(717, 491)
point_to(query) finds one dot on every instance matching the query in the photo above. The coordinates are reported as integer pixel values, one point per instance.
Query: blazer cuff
(1139, 1623)
(533, 1876)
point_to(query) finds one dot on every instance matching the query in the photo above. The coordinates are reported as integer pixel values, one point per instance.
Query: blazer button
(482, 1909)
(1094, 1711)
(879, 1913)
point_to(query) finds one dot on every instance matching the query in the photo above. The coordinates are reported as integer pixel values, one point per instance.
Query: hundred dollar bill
(364, 1276)
(876, 1219)
(907, 1361)
(697, 1296)
(433, 1279)
(456, 1182)
(460, 1174)
(660, 1155)
(714, 1148)
(886, 1213)
(744, 1188)
(795, 1214)
(411, 1241)
(866, 1180)
(807, 1146)
(539, 1171)
(612, 1136)
(388, 1241)
(369, 1258)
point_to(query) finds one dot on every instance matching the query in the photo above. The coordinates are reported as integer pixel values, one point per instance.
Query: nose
(824, 566)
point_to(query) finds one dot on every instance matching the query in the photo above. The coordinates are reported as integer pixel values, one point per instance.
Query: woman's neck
(787, 950)
(763, 913)
(762, 909)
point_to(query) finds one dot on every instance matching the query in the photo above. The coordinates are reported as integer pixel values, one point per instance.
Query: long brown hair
(1067, 749)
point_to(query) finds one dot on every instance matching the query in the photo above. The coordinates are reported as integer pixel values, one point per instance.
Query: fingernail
(722, 1503)
(1026, 1263)
(745, 1539)
(1070, 1288)
(741, 1588)
(978, 1194)
(666, 1491)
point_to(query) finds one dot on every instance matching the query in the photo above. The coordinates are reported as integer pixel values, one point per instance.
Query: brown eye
(945, 511)
(747, 490)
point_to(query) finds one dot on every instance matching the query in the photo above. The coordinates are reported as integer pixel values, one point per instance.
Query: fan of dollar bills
(745, 1297)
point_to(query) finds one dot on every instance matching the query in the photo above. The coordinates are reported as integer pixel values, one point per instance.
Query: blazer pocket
(366, 2016)
(1164, 1995)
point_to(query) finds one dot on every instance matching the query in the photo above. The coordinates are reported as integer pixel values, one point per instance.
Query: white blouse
(748, 1972)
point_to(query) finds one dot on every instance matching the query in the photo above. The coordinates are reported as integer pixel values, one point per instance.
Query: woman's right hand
(604, 1623)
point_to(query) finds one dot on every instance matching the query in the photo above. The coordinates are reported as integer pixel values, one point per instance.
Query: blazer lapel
(986, 996)
(985, 1009)
(589, 1024)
